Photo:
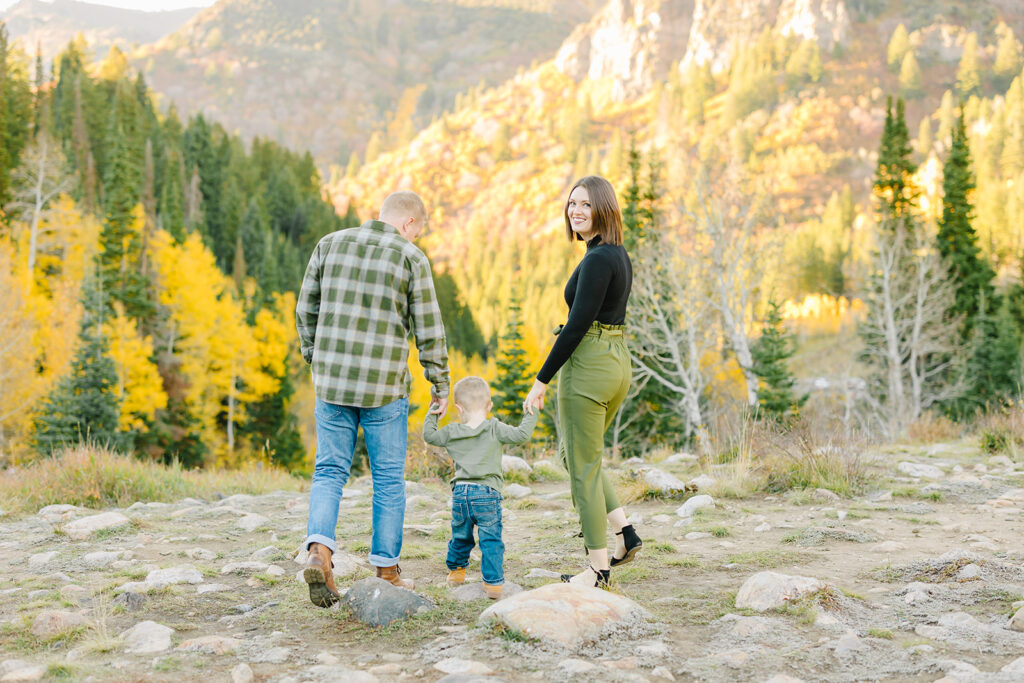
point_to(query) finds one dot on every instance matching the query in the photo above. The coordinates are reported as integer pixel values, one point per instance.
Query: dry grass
(758, 455)
(934, 428)
(96, 477)
(1000, 430)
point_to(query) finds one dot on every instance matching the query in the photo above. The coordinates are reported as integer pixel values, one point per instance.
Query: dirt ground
(871, 549)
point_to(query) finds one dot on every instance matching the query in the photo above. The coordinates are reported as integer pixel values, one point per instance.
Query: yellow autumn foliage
(139, 384)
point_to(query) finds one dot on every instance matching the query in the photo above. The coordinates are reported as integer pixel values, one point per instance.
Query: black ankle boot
(603, 577)
(633, 545)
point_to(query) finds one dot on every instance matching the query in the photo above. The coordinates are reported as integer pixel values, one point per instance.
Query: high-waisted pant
(591, 386)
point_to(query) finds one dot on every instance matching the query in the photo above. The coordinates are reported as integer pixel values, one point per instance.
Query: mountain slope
(325, 74)
(52, 25)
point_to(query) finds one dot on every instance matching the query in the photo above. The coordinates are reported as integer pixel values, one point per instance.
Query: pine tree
(957, 241)
(172, 200)
(514, 380)
(910, 76)
(894, 186)
(84, 406)
(994, 365)
(968, 74)
(899, 45)
(775, 395)
(461, 330)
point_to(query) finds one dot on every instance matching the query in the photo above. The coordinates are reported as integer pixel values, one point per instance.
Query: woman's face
(578, 210)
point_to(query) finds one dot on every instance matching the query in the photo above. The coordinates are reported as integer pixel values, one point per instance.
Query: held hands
(535, 399)
(438, 406)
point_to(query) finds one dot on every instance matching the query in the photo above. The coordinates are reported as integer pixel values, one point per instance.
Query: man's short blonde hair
(472, 393)
(404, 204)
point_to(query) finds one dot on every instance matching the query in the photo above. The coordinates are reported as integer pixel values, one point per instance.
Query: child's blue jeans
(480, 506)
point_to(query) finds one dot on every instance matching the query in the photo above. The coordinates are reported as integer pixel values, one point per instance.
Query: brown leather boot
(393, 576)
(318, 574)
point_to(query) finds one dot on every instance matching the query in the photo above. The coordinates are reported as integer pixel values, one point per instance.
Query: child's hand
(438, 406)
(535, 399)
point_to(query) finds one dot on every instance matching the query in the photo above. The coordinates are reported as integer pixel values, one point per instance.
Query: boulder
(184, 573)
(567, 614)
(83, 528)
(51, 622)
(251, 522)
(662, 482)
(771, 590)
(1017, 621)
(691, 506)
(702, 482)
(40, 560)
(512, 463)
(517, 491)
(376, 602)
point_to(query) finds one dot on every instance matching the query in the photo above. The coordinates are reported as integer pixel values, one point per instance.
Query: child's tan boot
(457, 577)
(493, 592)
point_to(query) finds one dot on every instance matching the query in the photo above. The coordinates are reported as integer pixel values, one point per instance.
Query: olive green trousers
(591, 386)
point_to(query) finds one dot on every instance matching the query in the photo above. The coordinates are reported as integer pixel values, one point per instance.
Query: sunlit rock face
(633, 43)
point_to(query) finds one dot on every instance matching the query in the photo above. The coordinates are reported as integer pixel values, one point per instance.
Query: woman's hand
(536, 397)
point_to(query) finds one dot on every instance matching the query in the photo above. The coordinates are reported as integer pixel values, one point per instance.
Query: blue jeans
(479, 505)
(386, 432)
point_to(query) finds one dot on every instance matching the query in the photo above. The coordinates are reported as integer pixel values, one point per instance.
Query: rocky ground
(920, 579)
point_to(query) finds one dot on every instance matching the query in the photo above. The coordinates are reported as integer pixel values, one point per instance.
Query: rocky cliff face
(634, 42)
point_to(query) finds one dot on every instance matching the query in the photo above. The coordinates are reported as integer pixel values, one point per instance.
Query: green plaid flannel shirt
(365, 291)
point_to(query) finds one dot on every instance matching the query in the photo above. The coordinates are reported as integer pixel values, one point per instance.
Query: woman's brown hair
(604, 210)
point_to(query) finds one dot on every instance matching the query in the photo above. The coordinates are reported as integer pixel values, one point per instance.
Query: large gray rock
(1017, 621)
(770, 590)
(51, 622)
(567, 614)
(517, 491)
(83, 528)
(512, 463)
(662, 482)
(376, 602)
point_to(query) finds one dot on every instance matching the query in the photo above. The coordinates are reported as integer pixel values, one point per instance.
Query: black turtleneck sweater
(597, 290)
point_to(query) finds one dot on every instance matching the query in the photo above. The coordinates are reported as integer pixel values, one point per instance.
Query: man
(365, 291)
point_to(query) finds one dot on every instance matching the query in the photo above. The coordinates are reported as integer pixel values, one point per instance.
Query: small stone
(385, 670)
(538, 573)
(265, 553)
(275, 655)
(920, 471)
(697, 535)
(41, 559)
(576, 666)
(783, 678)
(511, 463)
(51, 622)
(969, 572)
(251, 522)
(83, 528)
(662, 482)
(147, 637)
(762, 527)
(1014, 667)
(624, 664)
(849, 643)
(242, 674)
(463, 666)
(101, 559)
(200, 554)
(826, 495)
(36, 594)
(73, 592)
(130, 600)
(274, 570)
(662, 672)
(769, 590)
(214, 645)
(702, 482)
(244, 567)
(212, 588)
(1017, 621)
(185, 573)
(517, 491)
(695, 503)
(327, 659)
(31, 672)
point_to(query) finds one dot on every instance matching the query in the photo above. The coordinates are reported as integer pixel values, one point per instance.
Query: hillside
(796, 91)
(326, 77)
(52, 24)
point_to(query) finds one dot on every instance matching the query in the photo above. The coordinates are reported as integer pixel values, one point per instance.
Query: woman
(591, 354)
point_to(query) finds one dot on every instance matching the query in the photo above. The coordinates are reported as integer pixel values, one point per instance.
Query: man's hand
(535, 399)
(438, 406)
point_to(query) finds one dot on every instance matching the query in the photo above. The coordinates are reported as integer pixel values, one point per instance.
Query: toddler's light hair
(472, 393)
